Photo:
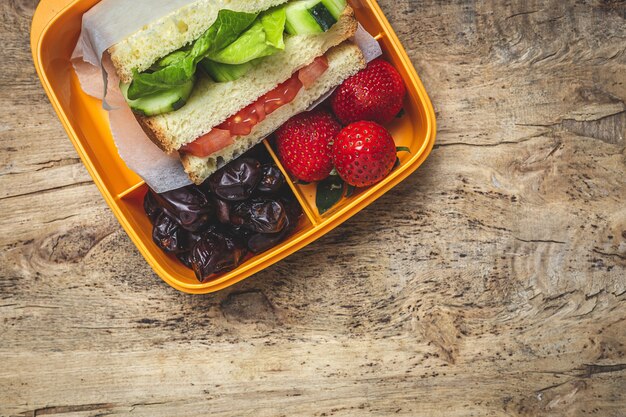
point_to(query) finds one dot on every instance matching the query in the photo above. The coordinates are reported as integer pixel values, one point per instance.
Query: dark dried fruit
(259, 153)
(185, 259)
(216, 252)
(242, 232)
(189, 206)
(151, 206)
(237, 180)
(167, 234)
(189, 240)
(262, 242)
(260, 215)
(212, 227)
(222, 211)
(272, 180)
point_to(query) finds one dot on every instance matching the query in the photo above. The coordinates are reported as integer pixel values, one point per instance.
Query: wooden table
(491, 283)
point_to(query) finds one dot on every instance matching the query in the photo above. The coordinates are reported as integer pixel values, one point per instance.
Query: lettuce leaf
(274, 25)
(263, 38)
(170, 59)
(182, 67)
(251, 45)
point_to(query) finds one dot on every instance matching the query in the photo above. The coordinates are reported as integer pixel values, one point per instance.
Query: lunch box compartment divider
(405, 122)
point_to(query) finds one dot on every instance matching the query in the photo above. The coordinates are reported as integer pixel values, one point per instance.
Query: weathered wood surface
(491, 283)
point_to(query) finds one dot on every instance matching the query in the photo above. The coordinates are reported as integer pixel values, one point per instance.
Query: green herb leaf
(329, 193)
(403, 149)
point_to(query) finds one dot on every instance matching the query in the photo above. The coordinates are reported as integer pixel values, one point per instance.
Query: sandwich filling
(242, 123)
(232, 46)
(344, 60)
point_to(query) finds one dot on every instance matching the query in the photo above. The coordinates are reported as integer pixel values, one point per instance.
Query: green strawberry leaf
(400, 113)
(397, 164)
(403, 149)
(329, 193)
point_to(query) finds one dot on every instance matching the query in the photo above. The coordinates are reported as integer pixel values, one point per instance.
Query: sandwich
(214, 78)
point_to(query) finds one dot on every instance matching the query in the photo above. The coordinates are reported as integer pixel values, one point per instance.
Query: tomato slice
(259, 107)
(215, 140)
(309, 74)
(285, 93)
(242, 123)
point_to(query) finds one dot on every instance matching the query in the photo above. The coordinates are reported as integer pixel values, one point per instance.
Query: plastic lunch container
(55, 29)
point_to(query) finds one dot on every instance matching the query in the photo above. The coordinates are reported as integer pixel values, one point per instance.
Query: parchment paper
(106, 24)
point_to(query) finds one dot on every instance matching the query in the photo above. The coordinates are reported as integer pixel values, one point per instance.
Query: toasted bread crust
(155, 135)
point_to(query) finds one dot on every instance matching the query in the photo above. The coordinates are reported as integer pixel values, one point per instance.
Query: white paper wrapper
(106, 24)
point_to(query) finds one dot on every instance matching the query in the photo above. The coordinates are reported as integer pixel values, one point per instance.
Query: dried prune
(242, 232)
(151, 206)
(237, 180)
(272, 180)
(259, 153)
(244, 207)
(189, 206)
(167, 234)
(189, 240)
(260, 215)
(185, 259)
(260, 242)
(222, 211)
(216, 252)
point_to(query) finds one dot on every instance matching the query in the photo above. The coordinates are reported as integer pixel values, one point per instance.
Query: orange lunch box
(55, 29)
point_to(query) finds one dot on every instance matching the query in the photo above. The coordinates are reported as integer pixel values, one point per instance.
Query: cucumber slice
(335, 7)
(305, 17)
(299, 20)
(165, 102)
(222, 73)
(322, 16)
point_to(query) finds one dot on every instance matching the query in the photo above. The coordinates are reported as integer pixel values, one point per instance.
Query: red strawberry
(375, 93)
(305, 143)
(364, 153)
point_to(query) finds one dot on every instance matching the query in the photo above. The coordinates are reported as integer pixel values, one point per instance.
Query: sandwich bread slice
(344, 61)
(170, 33)
(175, 129)
(212, 79)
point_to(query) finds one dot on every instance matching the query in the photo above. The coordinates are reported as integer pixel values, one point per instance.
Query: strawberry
(375, 94)
(364, 153)
(305, 143)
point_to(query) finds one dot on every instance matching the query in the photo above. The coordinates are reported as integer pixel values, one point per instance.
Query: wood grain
(491, 283)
